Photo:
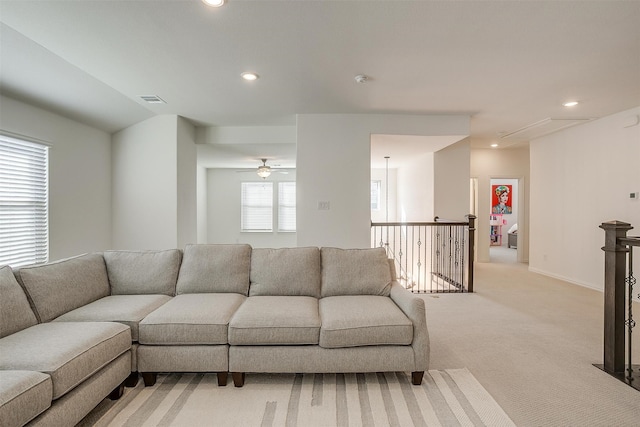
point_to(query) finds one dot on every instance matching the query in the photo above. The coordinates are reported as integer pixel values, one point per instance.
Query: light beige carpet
(451, 397)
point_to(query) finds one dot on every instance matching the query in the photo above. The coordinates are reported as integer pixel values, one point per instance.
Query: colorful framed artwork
(501, 199)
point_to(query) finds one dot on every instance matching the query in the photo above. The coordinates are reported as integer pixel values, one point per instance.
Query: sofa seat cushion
(69, 352)
(127, 309)
(15, 311)
(191, 319)
(23, 396)
(276, 320)
(360, 320)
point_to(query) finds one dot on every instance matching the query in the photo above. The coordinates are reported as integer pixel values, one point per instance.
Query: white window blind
(24, 216)
(257, 206)
(287, 206)
(375, 195)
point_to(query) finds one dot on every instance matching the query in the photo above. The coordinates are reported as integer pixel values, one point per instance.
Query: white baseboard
(567, 279)
(636, 290)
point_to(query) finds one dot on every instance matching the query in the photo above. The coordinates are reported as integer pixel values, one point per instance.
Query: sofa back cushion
(215, 269)
(355, 272)
(64, 285)
(15, 312)
(143, 272)
(286, 271)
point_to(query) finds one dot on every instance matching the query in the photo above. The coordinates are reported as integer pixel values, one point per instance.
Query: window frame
(24, 200)
(262, 204)
(282, 205)
(378, 194)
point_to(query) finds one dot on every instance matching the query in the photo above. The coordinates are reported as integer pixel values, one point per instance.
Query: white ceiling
(508, 64)
(246, 155)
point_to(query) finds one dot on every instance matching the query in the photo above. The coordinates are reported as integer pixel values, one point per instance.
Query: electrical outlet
(324, 206)
(633, 196)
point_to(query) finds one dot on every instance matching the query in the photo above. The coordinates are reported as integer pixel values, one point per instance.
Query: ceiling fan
(264, 170)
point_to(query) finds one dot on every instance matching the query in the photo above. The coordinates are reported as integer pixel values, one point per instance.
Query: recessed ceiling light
(570, 103)
(494, 145)
(214, 3)
(250, 76)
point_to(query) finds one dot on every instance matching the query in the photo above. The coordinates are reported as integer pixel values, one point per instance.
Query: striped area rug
(446, 398)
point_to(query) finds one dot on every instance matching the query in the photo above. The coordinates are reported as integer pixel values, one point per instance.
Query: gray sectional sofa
(77, 330)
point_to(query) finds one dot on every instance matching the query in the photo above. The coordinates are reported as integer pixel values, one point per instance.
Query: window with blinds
(287, 206)
(257, 206)
(24, 212)
(375, 195)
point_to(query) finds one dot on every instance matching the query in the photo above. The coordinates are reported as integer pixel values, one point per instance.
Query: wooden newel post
(472, 250)
(614, 295)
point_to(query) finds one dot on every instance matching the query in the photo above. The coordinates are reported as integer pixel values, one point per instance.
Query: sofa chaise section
(72, 365)
(68, 352)
(23, 396)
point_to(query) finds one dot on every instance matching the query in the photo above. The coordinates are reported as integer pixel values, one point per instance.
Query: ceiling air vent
(152, 99)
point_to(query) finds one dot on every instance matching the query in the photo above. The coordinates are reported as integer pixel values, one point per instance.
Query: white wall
(580, 178)
(79, 177)
(246, 135)
(154, 179)
(451, 181)
(501, 163)
(201, 202)
(187, 199)
(333, 165)
(416, 189)
(224, 207)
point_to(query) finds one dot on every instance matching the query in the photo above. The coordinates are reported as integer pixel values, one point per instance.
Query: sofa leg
(132, 380)
(222, 379)
(416, 377)
(149, 378)
(117, 392)
(238, 378)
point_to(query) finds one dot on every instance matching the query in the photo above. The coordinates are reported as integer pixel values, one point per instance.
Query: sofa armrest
(413, 307)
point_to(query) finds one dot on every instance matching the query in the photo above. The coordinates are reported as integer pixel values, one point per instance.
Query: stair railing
(619, 281)
(430, 257)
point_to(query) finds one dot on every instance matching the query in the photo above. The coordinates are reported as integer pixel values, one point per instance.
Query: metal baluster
(462, 252)
(434, 257)
(631, 281)
(419, 265)
(457, 260)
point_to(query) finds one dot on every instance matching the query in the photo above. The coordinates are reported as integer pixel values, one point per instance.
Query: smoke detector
(361, 78)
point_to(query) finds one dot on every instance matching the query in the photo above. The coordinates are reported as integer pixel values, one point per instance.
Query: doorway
(503, 220)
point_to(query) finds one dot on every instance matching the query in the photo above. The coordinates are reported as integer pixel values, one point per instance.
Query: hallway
(503, 254)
